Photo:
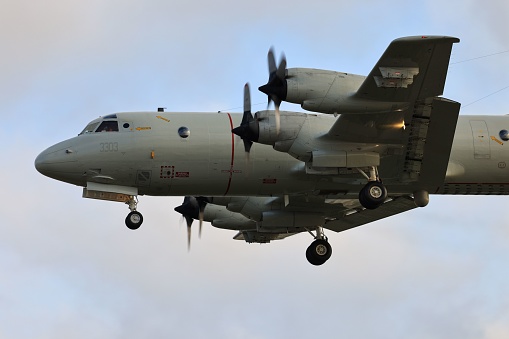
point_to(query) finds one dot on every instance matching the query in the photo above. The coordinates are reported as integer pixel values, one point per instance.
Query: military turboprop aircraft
(380, 145)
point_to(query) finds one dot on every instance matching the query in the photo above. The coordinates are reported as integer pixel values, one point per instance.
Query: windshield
(90, 128)
(104, 126)
(108, 126)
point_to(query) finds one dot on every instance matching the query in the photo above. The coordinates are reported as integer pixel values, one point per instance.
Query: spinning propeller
(276, 88)
(192, 208)
(248, 129)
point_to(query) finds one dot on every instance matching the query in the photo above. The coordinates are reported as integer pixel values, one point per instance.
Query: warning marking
(167, 172)
(269, 181)
(496, 140)
(162, 118)
(181, 174)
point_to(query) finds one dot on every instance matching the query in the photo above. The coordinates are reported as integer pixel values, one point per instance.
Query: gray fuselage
(147, 152)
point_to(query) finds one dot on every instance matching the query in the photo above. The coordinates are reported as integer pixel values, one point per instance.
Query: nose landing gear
(134, 219)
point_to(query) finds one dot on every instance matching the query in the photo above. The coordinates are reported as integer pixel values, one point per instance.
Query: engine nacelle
(220, 217)
(289, 220)
(320, 90)
(290, 125)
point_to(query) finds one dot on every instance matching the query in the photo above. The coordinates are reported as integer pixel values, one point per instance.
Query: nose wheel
(134, 219)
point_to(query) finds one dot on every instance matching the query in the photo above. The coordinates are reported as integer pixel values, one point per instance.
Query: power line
(234, 108)
(473, 102)
(479, 57)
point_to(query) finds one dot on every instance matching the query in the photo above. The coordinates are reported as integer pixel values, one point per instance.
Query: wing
(415, 134)
(412, 68)
(363, 216)
(403, 82)
(263, 219)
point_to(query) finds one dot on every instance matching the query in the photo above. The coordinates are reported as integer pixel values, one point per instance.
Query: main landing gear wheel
(318, 252)
(372, 195)
(134, 220)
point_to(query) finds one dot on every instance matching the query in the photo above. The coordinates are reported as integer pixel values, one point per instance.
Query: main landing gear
(374, 193)
(320, 250)
(134, 219)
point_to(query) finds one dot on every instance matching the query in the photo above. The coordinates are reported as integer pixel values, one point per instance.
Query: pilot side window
(108, 126)
(90, 128)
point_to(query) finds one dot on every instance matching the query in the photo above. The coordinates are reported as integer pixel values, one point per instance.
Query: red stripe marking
(232, 157)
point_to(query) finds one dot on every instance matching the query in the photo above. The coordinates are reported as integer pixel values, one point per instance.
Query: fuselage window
(504, 135)
(184, 132)
(108, 126)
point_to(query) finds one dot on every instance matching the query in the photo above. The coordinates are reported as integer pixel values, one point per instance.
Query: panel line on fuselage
(232, 157)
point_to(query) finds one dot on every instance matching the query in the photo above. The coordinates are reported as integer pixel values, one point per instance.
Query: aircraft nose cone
(57, 161)
(40, 163)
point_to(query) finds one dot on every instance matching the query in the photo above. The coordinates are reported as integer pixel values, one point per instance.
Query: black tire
(134, 220)
(372, 195)
(367, 203)
(318, 252)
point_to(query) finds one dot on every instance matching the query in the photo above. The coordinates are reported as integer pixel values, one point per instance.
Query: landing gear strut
(374, 193)
(320, 250)
(134, 219)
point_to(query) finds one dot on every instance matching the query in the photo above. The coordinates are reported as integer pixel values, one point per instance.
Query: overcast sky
(69, 268)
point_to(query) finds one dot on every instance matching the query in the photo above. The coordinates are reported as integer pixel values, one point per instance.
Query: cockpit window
(111, 116)
(108, 126)
(90, 128)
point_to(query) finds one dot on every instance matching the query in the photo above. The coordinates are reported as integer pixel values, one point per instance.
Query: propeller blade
(192, 208)
(247, 145)
(248, 129)
(201, 222)
(281, 70)
(271, 61)
(276, 88)
(247, 103)
(278, 120)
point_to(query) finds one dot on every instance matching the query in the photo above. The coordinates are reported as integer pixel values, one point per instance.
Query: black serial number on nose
(108, 147)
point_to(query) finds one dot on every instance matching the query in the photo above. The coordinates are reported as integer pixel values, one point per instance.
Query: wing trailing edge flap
(420, 145)
(430, 143)
(361, 217)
